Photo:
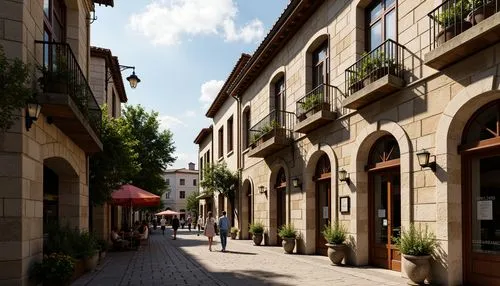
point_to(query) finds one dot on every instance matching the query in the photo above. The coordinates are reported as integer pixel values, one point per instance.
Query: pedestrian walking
(163, 222)
(183, 222)
(223, 230)
(200, 223)
(189, 222)
(210, 229)
(175, 226)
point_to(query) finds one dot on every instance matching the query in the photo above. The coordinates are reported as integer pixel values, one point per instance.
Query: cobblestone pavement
(187, 261)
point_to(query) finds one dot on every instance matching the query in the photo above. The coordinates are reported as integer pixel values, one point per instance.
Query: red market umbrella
(132, 196)
(168, 212)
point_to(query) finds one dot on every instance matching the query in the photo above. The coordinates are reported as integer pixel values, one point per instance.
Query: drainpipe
(239, 155)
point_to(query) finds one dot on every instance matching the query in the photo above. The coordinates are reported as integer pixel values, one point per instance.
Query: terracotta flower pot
(257, 238)
(336, 252)
(288, 244)
(417, 267)
(447, 33)
(480, 13)
(90, 263)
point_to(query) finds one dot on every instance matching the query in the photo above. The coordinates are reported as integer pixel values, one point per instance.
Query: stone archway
(309, 186)
(359, 184)
(273, 226)
(62, 194)
(449, 180)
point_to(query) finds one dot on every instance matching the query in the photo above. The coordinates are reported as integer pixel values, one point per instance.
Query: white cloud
(250, 33)
(190, 113)
(209, 91)
(170, 122)
(167, 22)
(183, 159)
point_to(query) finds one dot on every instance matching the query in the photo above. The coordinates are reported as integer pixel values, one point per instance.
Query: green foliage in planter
(454, 12)
(103, 244)
(256, 228)
(265, 129)
(55, 269)
(416, 241)
(234, 229)
(287, 231)
(70, 241)
(15, 80)
(335, 234)
(86, 246)
(312, 101)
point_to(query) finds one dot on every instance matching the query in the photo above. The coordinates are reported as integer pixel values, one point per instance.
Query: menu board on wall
(484, 210)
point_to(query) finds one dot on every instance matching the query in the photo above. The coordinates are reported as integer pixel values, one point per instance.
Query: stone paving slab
(187, 261)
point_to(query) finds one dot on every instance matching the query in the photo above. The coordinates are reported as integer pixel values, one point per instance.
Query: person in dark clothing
(175, 226)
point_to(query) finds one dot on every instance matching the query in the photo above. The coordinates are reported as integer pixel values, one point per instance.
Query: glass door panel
(323, 211)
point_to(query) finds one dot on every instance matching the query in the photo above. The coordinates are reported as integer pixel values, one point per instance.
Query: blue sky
(183, 50)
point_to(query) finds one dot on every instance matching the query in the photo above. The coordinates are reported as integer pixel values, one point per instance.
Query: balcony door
(320, 65)
(381, 22)
(279, 101)
(54, 23)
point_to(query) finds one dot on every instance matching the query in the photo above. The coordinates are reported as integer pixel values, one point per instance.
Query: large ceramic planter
(257, 238)
(79, 269)
(288, 244)
(417, 268)
(336, 252)
(90, 263)
(480, 13)
(451, 31)
(233, 235)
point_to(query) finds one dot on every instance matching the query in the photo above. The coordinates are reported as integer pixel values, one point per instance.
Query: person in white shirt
(163, 222)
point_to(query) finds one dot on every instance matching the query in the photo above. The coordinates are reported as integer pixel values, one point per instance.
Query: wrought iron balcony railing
(276, 122)
(386, 59)
(62, 74)
(453, 17)
(323, 97)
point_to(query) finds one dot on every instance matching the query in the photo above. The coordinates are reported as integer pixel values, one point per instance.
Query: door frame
(468, 255)
(280, 209)
(326, 180)
(389, 167)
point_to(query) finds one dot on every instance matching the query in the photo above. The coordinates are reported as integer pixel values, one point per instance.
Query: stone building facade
(356, 90)
(43, 168)
(181, 183)
(107, 85)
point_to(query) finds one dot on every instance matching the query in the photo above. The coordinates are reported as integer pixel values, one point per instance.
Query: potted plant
(87, 249)
(234, 232)
(312, 104)
(257, 230)
(416, 246)
(335, 235)
(480, 10)
(288, 233)
(55, 269)
(452, 20)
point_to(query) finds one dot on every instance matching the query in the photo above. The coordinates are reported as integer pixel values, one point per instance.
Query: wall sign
(484, 210)
(345, 204)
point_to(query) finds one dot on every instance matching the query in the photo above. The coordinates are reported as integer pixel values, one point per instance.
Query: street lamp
(132, 79)
(343, 176)
(423, 160)
(32, 113)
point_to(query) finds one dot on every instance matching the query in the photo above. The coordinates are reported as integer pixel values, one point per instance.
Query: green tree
(218, 178)
(192, 203)
(116, 164)
(155, 148)
(15, 90)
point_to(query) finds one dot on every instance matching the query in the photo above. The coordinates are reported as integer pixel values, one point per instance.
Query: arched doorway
(480, 150)
(384, 202)
(322, 177)
(247, 212)
(280, 189)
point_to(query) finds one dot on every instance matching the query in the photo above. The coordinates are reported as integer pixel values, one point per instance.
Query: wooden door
(280, 209)
(481, 217)
(385, 218)
(323, 211)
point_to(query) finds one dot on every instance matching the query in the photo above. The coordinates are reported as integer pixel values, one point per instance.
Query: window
(182, 194)
(54, 29)
(183, 182)
(194, 182)
(381, 21)
(230, 134)
(201, 168)
(221, 142)
(279, 94)
(113, 105)
(168, 182)
(246, 127)
(167, 195)
(208, 157)
(320, 65)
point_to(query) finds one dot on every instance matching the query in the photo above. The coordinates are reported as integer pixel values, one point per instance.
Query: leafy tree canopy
(116, 164)
(15, 90)
(155, 148)
(218, 178)
(192, 202)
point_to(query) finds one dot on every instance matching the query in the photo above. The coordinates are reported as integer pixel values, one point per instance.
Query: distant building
(181, 183)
